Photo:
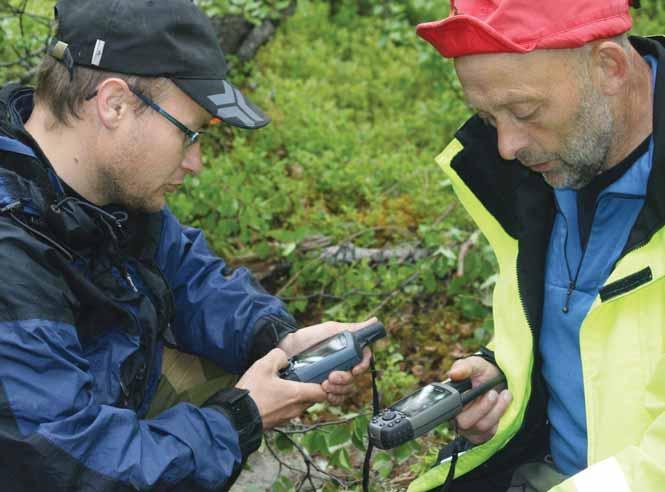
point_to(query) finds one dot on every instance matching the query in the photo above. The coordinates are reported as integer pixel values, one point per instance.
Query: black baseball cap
(153, 38)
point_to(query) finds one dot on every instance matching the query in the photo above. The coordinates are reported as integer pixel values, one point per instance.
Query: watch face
(319, 351)
(421, 400)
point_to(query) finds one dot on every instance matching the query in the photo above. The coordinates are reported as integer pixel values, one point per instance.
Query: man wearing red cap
(563, 169)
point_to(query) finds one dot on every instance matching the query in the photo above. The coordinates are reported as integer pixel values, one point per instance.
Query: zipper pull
(569, 293)
(128, 277)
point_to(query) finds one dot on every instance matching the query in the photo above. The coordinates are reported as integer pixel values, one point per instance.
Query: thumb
(362, 324)
(461, 369)
(276, 359)
(310, 392)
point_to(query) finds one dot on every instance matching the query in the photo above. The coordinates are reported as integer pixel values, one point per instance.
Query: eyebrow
(522, 100)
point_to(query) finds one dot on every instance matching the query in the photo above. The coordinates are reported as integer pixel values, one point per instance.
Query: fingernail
(505, 394)
(492, 396)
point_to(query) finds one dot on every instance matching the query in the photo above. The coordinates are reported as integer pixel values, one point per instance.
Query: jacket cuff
(268, 332)
(239, 407)
(486, 354)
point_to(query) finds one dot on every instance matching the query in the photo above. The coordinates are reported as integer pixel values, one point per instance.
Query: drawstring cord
(376, 407)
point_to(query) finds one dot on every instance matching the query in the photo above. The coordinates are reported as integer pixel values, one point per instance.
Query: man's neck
(635, 122)
(65, 148)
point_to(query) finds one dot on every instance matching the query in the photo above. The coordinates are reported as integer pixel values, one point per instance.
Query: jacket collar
(652, 216)
(15, 108)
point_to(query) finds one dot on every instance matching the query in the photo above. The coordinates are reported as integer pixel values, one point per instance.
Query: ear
(610, 66)
(114, 102)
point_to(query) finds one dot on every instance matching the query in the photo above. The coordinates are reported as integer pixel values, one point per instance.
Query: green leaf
(383, 464)
(341, 435)
(404, 452)
(340, 459)
(359, 432)
(315, 442)
(288, 248)
(283, 443)
(283, 484)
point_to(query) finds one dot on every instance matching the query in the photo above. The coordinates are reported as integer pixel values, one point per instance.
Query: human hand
(339, 383)
(479, 420)
(277, 399)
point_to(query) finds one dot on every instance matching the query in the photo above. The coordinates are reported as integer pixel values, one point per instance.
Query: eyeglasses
(192, 136)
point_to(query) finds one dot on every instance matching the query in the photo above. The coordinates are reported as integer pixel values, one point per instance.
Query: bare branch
(310, 463)
(293, 429)
(348, 253)
(464, 249)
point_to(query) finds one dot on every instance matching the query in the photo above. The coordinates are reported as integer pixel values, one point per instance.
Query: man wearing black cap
(562, 167)
(98, 275)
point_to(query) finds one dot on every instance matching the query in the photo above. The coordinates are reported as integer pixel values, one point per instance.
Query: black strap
(376, 406)
(445, 486)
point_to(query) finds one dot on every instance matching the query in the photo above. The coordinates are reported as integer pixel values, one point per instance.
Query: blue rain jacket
(84, 314)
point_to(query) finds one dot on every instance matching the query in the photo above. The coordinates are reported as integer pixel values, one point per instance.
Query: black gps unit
(422, 411)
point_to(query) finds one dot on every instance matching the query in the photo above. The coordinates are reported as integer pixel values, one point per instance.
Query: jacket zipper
(572, 282)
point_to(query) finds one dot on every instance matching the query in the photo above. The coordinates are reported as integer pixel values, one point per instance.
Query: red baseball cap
(520, 26)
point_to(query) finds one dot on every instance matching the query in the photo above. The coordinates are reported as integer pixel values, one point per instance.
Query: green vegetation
(360, 109)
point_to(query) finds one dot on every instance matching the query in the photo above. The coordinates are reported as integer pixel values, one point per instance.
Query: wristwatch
(239, 407)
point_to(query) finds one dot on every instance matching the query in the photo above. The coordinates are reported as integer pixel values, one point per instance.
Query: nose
(512, 139)
(192, 159)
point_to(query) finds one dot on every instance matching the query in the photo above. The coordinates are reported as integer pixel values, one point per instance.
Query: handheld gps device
(422, 411)
(340, 352)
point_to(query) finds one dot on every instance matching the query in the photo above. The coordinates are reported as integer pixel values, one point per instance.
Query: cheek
(550, 133)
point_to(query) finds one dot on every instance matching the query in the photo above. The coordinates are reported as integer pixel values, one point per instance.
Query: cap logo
(231, 104)
(98, 52)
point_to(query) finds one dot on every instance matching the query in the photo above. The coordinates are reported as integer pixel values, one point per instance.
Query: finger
(309, 392)
(277, 359)
(491, 419)
(336, 399)
(361, 324)
(291, 412)
(338, 389)
(364, 364)
(468, 368)
(479, 438)
(477, 410)
(340, 377)
(461, 369)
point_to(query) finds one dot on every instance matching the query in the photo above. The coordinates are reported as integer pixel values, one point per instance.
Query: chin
(558, 180)
(147, 206)
(154, 207)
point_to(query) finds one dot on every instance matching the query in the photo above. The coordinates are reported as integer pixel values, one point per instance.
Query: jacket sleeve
(55, 434)
(636, 468)
(223, 315)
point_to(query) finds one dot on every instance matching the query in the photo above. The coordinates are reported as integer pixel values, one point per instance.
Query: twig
(445, 213)
(281, 463)
(306, 428)
(308, 460)
(464, 249)
(413, 277)
(332, 297)
(290, 282)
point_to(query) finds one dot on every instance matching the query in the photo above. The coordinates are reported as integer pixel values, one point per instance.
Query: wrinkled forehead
(500, 78)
